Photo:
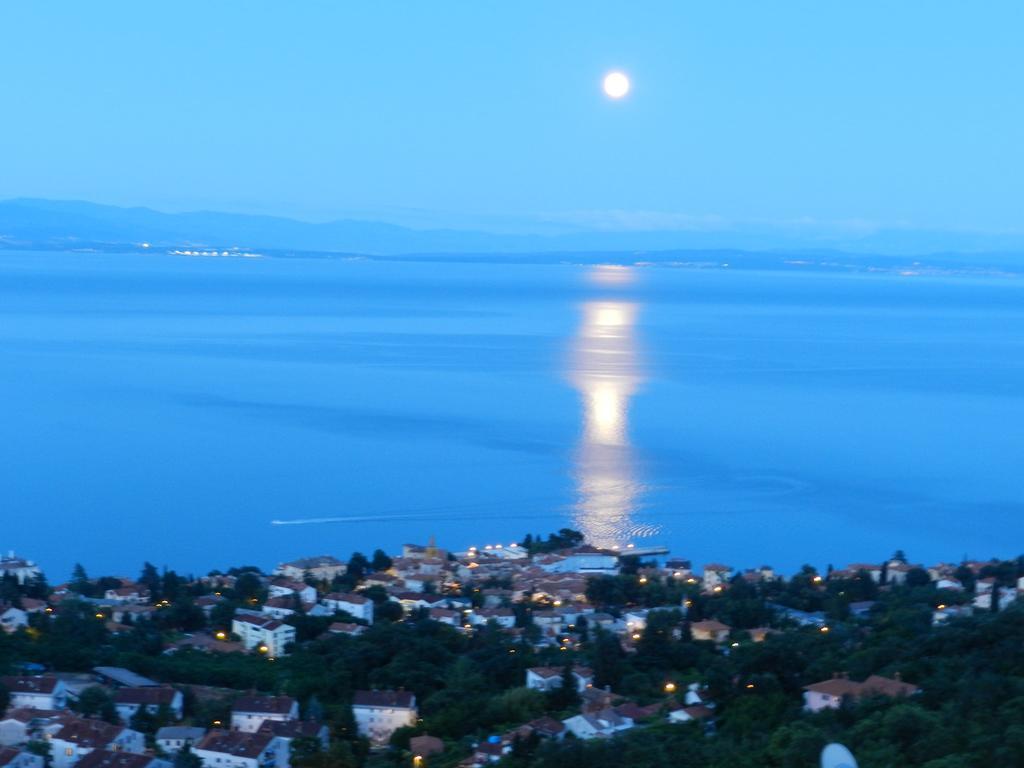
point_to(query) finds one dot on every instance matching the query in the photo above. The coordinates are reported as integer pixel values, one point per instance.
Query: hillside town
(324, 662)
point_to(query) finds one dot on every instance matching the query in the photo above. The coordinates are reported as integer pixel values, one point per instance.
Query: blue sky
(485, 114)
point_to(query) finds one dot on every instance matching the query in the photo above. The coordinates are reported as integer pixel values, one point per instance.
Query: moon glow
(616, 85)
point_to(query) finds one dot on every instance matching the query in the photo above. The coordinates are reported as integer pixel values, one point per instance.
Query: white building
(14, 758)
(238, 749)
(173, 738)
(21, 569)
(830, 694)
(323, 568)
(78, 737)
(102, 758)
(20, 726)
(287, 588)
(355, 605)
(268, 636)
(592, 725)
(585, 559)
(12, 619)
(128, 701)
(35, 692)
(716, 575)
(379, 714)
(503, 617)
(550, 678)
(248, 713)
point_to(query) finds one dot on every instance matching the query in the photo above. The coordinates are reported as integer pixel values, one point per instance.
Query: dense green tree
(94, 701)
(80, 581)
(186, 758)
(380, 561)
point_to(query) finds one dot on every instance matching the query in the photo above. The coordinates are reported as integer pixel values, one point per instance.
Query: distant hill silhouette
(33, 223)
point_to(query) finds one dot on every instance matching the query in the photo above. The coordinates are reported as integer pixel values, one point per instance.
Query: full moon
(616, 85)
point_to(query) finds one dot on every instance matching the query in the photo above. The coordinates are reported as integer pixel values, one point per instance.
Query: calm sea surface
(202, 413)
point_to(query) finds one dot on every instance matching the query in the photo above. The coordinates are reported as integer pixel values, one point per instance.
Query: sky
(843, 116)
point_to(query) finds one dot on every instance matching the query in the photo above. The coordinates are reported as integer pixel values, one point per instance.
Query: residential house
(550, 678)
(716, 576)
(592, 725)
(357, 606)
(346, 628)
(446, 616)
(78, 737)
(874, 571)
(287, 588)
(129, 701)
(102, 758)
(503, 617)
(208, 602)
(248, 713)
(119, 677)
(547, 727)
(286, 731)
(584, 559)
(280, 607)
(491, 750)
(12, 618)
(266, 635)
(710, 629)
(18, 726)
(424, 746)
(944, 613)
(984, 597)
(241, 749)
(322, 568)
(173, 738)
(16, 758)
(127, 593)
(830, 694)
(36, 692)
(21, 569)
(412, 601)
(379, 714)
(688, 714)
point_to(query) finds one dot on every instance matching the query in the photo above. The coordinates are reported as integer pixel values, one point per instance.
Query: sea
(200, 413)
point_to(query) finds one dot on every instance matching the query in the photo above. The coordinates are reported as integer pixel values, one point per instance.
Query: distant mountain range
(47, 224)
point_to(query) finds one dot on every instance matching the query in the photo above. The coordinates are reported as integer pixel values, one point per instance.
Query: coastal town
(499, 653)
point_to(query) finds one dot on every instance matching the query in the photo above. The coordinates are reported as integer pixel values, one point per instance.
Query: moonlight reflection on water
(605, 368)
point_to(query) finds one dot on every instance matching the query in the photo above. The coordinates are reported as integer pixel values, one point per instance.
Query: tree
(565, 695)
(80, 580)
(357, 565)
(150, 579)
(918, 577)
(42, 748)
(607, 657)
(389, 611)
(94, 701)
(186, 758)
(605, 590)
(380, 561)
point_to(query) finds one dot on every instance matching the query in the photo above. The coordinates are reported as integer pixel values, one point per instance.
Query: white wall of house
(378, 723)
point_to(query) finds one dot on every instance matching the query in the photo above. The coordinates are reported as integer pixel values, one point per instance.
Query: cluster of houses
(259, 734)
(467, 590)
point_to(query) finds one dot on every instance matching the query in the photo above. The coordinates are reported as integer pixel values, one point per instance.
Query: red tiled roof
(35, 684)
(389, 699)
(276, 705)
(237, 743)
(101, 758)
(145, 696)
